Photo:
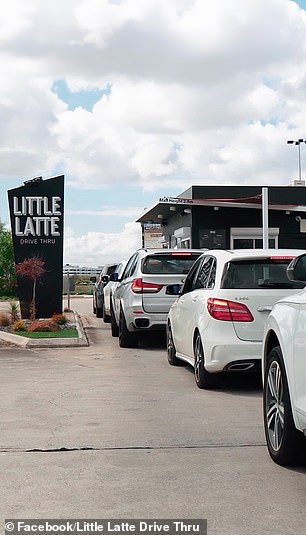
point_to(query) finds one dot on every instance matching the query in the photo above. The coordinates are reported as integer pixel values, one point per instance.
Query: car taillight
(141, 287)
(224, 310)
(180, 254)
(281, 258)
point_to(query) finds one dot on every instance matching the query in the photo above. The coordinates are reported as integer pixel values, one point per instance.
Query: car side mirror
(93, 279)
(114, 277)
(105, 279)
(296, 271)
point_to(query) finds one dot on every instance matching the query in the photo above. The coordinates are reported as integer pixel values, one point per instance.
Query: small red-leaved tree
(31, 268)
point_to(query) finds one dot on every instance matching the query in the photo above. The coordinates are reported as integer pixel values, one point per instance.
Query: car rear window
(168, 263)
(261, 273)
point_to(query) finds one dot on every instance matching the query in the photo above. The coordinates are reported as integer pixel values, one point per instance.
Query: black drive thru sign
(36, 211)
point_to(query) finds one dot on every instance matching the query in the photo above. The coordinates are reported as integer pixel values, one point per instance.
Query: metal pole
(300, 172)
(68, 290)
(298, 143)
(265, 222)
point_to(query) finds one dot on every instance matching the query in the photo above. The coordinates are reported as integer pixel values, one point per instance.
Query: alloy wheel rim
(274, 406)
(198, 358)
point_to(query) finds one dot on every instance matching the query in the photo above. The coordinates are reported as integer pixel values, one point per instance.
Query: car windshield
(168, 263)
(111, 269)
(258, 273)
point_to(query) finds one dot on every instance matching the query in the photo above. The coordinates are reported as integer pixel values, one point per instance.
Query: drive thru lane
(105, 432)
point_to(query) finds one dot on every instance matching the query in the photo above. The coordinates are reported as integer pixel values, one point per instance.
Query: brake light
(140, 287)
(224, 310)
(180, 254)
(281, 257)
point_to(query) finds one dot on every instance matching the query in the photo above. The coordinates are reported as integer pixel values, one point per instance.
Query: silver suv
(149, 285)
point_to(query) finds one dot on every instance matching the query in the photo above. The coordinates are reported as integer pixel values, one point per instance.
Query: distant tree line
(7, 264)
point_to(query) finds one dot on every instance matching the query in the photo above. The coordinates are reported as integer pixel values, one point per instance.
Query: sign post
(36, 212)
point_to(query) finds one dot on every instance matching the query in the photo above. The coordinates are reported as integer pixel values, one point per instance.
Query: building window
(185, 244)
(251, 238)
(181, 238)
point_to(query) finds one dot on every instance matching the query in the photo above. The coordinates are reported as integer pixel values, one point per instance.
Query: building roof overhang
(168, 207)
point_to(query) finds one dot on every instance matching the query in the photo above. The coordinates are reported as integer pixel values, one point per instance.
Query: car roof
(235, 254)
(171, 251)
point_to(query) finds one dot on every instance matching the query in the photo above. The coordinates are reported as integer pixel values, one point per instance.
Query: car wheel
(114, 326)
(106, 317)
(94, 309)
(99, 312)
(126, 338)
(285, 443)
(203, 378)
(171, 351)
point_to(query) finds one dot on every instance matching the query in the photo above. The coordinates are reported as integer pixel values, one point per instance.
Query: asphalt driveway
(105, 432)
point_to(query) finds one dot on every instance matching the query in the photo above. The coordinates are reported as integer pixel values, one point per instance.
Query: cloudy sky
(132, 100)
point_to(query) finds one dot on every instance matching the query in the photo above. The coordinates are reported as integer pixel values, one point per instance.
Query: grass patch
(65, 333)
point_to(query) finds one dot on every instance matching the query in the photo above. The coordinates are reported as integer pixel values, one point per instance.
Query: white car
(108, 291)
(98, 294)
(284, 373)
(217, 323)
(147, 288)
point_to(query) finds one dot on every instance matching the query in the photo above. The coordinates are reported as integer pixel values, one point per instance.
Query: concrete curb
(25, 342)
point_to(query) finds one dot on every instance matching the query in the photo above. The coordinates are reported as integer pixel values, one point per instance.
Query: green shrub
(14, 312)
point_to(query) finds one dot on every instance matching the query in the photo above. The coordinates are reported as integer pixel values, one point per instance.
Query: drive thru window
(251, 238)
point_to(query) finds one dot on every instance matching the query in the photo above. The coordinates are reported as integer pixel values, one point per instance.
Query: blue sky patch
(85, 99)
(301, 3)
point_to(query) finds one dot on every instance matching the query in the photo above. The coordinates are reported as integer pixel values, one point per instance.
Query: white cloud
(16, 17)
(203, 92)
(98, 248)
(181, 72)
(107, 211)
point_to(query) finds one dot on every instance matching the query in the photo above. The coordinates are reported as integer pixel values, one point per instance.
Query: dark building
(229, 217)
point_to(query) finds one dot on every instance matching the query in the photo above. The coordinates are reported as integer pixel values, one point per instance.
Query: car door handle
(194, 299)
(267, 308)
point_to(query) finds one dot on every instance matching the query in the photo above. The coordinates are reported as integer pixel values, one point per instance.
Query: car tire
(171, 351)
(94, 309)
(126, 338)
(99, 312)
(114, 326)
(285, 443)
(203, 378)
(106, 317)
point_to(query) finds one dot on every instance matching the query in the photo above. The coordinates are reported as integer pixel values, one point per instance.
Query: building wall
(276, 194)
(179, 221)
(81, 270)
(211, 226)
(220, 222)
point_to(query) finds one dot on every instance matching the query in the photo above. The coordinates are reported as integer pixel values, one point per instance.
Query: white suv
(149, 285)
(217, 323)
(284, 373)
